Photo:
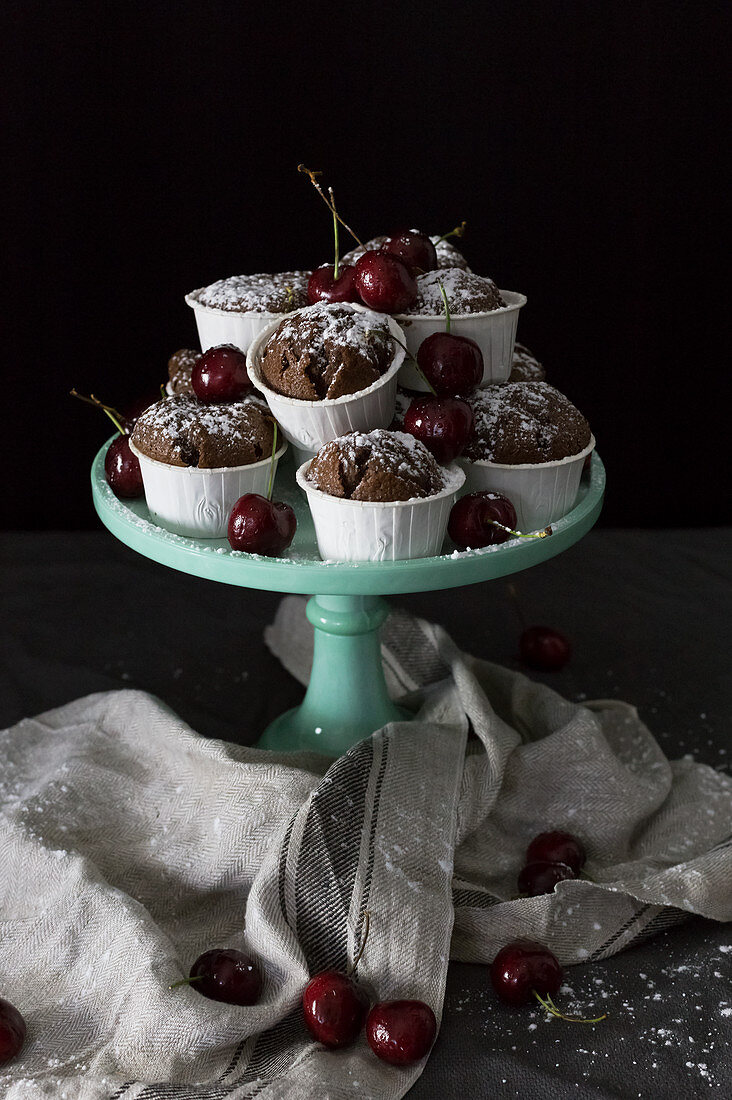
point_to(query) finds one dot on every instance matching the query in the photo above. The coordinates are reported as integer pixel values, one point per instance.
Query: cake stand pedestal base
(346, 699)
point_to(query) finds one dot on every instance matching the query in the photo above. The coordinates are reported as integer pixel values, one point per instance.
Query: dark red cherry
(322, 287)
(221, 375)
(122, 469)
(443, 424)
(471, 520)
(543, 648)
(557, 847)
(401, 1032)
(224, 974)
(334, 1008)
(12, 1031)
(384, 282)
(451, 364)
(261, 526)
(522, 967)
(413, 248)
(541, 877)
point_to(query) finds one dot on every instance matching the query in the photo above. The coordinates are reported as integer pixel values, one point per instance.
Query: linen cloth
(130, 845)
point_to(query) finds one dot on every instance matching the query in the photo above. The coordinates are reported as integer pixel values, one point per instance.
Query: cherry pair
(550, 858)
(383, 279)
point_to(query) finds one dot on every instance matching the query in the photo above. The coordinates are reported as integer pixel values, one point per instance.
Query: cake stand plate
(346, 699)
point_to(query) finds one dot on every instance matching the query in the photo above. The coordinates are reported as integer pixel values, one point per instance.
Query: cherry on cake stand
(346, 699)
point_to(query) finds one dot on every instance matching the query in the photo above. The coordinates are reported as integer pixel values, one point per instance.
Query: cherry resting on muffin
(413, 248)
(12, 1031)
(541, 876)
(401, 1032)
(385, 283)
(221, 375)
(325, 286)
(225, 974)
(443, 424)
(334, 1008)
(557, 847)
(524, 969)
(474, 518)
(543, 648)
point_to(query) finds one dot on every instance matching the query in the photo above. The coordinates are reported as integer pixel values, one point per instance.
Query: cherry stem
(447, 306)
(539, 534)
(549, 1005)
(114, 416)
(186, 981)
(417, 367)
(163, 391)
(335, 234)
(458, 231)
(270, 484)
(321, 192)
(367, 924)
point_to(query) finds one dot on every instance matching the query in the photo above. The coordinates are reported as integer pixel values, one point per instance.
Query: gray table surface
(648, 613)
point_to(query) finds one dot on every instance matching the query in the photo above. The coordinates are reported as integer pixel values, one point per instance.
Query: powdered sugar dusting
(280, 293)
(466, 293)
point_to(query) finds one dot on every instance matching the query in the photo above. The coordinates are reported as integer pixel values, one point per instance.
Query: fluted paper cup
(367, 530)
(193, 501)
(310, 424)
(224, 326)
(540, 492)
(493, 331)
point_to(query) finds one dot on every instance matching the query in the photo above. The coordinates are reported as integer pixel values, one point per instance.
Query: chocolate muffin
(327, 351)
(466, 293)
(447, 254)
(181, 431)
(280, 293)
(180, 368)
(525, 422)
(525, 367)
(377, 466)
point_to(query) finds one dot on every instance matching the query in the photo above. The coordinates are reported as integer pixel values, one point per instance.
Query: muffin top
(525, 367)
(327, 351)
(280, 293)
(447, 254)
(378, 466)
(519, 422)
(466, 292)
(180, 368)
(183, 432)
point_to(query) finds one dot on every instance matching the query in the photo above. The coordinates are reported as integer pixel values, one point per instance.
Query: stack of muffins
(335, 379)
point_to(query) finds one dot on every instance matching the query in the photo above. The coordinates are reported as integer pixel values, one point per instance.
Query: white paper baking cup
(494, 332)
(310, 424)
(223, 326)
(366, 530)
(540, 492)
(190, 500)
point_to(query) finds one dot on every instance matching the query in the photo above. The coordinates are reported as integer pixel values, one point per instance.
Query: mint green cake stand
(346, 699)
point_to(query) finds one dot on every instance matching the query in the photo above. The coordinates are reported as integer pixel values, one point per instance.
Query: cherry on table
(557, 847)
(221, 375)
(322, 287)
(225, 974)
(541, 876)
(443, 424)
(401, 1032)
(122, 469)
(384, 282)
(523, 968)
(12, 1031)
(451, 364)
(413, 248)
(473, 519)
(261, 526)
(543, 648)
(334, 1008)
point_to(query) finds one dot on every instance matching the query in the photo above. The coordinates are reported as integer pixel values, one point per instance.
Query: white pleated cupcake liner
(494, 332)
(223, 326)
(310, 424)
(541, 493)
(364, 530)
(197, 502)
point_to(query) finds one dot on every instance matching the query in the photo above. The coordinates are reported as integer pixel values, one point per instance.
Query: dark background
(152, 148)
